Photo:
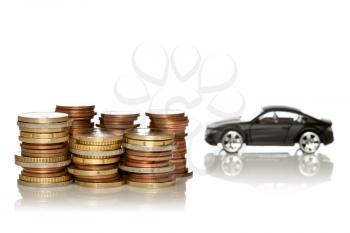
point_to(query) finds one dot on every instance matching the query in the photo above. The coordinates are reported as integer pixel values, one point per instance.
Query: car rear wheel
(309, 142)
(232, 141)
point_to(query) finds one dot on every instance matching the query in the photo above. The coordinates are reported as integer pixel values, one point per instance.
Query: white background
(287, 52)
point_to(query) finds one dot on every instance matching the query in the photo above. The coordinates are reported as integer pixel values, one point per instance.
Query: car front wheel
(309, 142)
(232, 141)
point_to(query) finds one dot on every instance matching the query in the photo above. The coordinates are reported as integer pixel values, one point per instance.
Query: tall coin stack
(147, 161)
(95, 157)
(118, 120)
(172, 121)
(80, 116)
(43, 156)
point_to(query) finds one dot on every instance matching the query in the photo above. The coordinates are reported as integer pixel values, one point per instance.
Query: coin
(113, 184)
(97, 154)
(133, 163)
(44, 135)
(40, 185)
(149, 143)
(77, 172)
(184, 174)
(32, 146)
(44, 175)
(152, 180)
(149, 159)
(97, 180)
(90, 167)
(44, 170)
(149, 148)
(43, 130)
(148, 134)
(165, 113)
(95, 148)
(147, 170)
(45, 180)
(80, 160)
(151, 185)
(44, 126)
(99, 137)
(42, 117)
(44, 141)
(40, 160)
(148, 154)
(53, 151)
(43, 165)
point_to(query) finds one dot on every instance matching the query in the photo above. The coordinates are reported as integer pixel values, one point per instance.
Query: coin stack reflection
(148, 153)
(173, 121)
(43, 155)
(80, 116)
(95, 157)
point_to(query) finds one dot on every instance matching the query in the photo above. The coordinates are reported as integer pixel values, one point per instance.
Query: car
(274, 126)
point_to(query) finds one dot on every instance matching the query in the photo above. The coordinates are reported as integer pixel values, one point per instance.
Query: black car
(274, 126)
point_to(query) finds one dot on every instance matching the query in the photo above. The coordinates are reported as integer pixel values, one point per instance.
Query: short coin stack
(43, 156)
(148, 153)
(80, 117)
(118, 120)
(173, 121)
(95, 157)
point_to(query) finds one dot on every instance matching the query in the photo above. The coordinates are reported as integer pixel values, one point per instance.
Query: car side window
(268, 118)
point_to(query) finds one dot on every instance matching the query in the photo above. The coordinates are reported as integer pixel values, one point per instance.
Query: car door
(268, 129)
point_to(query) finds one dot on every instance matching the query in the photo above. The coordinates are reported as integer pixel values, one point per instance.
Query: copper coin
(44, 170)
(184, 174)
(165, 113)
(116, 126)
(150, 175)
(95, 167)
(121, 114)
(53, 151)
(44, 175)
(146, 154)
(92, 180)
(85, 107)
(178, 161)
(149, 159)
(99, 177)
(146, 165)
(35, 155)
(180, 170)
(32, 146)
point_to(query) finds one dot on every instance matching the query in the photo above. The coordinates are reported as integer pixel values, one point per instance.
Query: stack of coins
(147, 158)
(80, 116)
(172, 121)
(95, 157)
(43, 155)
(118, 120)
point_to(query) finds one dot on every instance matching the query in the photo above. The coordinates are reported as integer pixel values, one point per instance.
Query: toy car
(274, 126)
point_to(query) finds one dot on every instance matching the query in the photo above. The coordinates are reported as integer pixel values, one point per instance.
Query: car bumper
(327, 136)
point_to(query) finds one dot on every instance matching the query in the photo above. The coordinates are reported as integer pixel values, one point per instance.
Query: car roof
(281, 108)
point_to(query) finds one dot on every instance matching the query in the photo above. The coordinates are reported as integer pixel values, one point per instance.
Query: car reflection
(276, 169)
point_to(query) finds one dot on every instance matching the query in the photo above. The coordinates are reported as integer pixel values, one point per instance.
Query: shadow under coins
(270, 169)
(122, 198)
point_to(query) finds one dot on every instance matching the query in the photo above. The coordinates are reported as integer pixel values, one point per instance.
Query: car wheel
(309, 142)
(232, 141)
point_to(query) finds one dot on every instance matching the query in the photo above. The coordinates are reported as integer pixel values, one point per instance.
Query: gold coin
(149, 148)
(80, 160)
(45, 180)
(42, 155)
(40, 160)
(43, 165)
(99, 137)
(148, 134)
(95, 148)
(44, 126)
(114, 184)
(44, 141)
(149, 143)
(147, 170)
(43, 130)
(39, 185)
(151, 185)
(97, 154)
(78, 172)
(44, 135)
(43, 117)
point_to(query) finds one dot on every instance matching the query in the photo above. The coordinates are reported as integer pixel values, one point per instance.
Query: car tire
(232, 141)
(309, 142)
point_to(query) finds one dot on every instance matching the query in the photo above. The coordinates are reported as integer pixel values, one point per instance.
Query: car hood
(326, 121)
(218, 124)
